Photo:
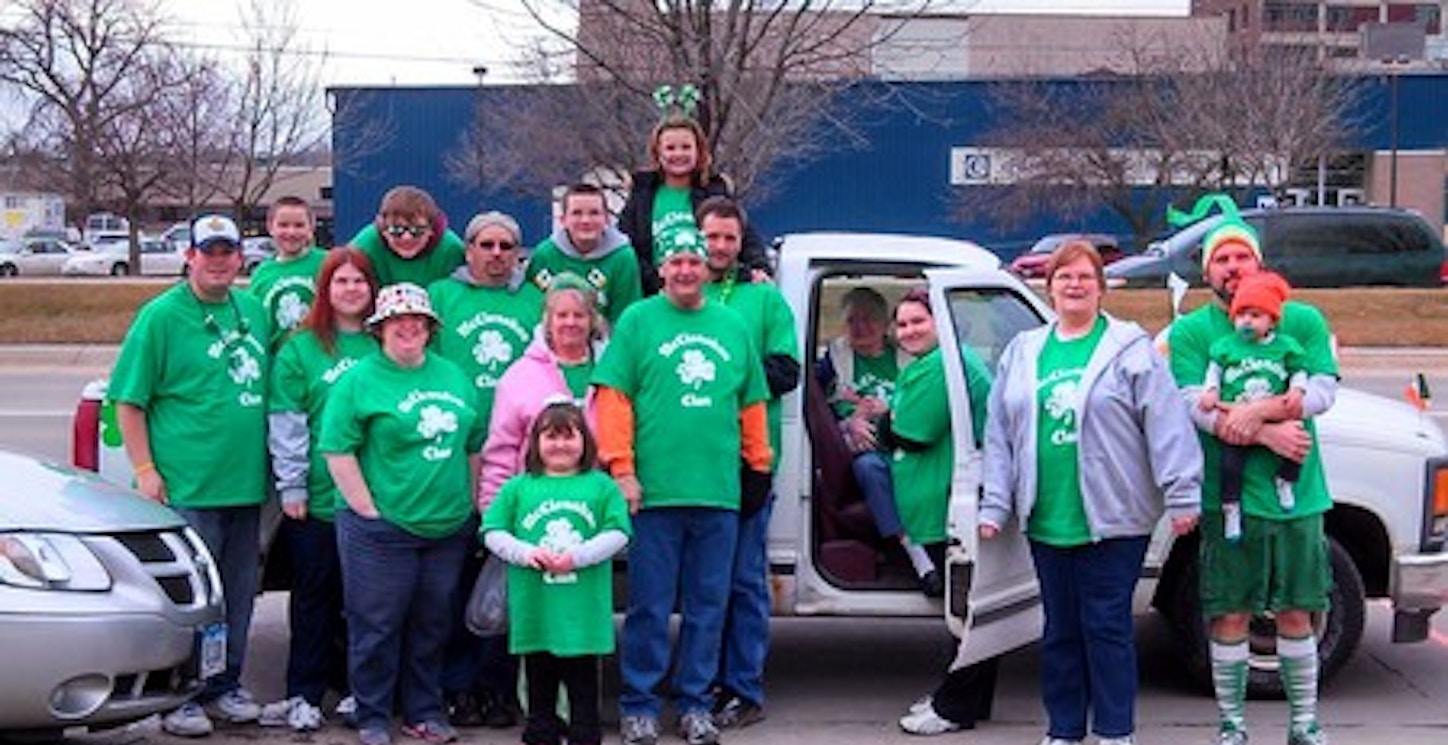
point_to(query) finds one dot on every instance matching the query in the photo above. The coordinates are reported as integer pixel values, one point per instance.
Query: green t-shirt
(564, 614)
(1059, 518)
(302, 376)
(1191, 341)
(412, 430)
(672, 211)
(199, 371)
(1252, 370)
(978, 380)
(577, 377)
(484, 330)
(287, 289)
(688, 374)
(613, 276)
(874, 377)
(770, 321)
(422, 270)
(921, 412)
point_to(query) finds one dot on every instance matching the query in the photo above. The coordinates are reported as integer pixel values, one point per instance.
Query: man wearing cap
(189, 387)
(401, 434)
(488, 313)
(683, 429)
(588, 245)
(1280, 563)
(766, 314)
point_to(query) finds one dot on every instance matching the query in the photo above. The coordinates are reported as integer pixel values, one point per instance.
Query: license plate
(212, 654)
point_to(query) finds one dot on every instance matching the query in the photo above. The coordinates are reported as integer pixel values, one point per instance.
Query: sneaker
(347, 710)
(697, 728)
(502, 715)
(736, 711)
(927, 723)
(638, 729)
(1048, 740)
(921, 704)
(464, 709)
(932, 584)
(374, 736)
(235, 706)
(189, 720)
(1310, 735)
(436, 733)
(1125, 740)
(1230, 736)
(294, 712)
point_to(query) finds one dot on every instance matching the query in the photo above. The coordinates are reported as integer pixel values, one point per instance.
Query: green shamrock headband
(682, 101)
(1232, 228)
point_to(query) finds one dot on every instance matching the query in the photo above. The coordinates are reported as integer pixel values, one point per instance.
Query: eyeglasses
(1077, 279)
(498, 245)
(416, 231)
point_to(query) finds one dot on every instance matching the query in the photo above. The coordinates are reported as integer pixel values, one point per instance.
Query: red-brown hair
(322, 318)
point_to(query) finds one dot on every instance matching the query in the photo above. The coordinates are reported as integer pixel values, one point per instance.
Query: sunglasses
(217, 248)
(499, 245)
(416, 231)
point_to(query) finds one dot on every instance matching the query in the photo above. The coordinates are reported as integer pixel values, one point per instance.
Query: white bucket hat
(402, 299)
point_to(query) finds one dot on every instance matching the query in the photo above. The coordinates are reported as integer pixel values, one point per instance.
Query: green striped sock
(1229, 680)
(1299, 679)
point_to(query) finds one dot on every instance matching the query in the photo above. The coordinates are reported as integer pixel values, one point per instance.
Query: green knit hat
(1232, 228)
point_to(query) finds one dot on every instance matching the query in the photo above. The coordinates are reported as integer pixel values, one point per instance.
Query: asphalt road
(844, 681)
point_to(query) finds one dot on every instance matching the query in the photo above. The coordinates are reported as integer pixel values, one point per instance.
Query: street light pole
(1395, 66)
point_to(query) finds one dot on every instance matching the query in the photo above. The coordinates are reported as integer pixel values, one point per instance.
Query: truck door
(991, 593)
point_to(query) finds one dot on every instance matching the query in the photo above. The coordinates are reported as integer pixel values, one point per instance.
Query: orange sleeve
(754, 436)
(615, 431)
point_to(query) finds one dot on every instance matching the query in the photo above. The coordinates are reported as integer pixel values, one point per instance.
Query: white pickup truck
(1387, 466)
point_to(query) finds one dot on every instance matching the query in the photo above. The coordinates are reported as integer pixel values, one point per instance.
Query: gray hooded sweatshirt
(1137, 447)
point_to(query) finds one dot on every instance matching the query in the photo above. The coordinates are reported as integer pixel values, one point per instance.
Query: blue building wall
(899, 182)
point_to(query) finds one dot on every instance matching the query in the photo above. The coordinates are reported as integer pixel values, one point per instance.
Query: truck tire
(1339, 631)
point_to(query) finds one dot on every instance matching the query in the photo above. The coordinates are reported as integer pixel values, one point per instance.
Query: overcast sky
(439, 42)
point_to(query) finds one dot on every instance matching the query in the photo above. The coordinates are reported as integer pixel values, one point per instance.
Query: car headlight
(50, 561)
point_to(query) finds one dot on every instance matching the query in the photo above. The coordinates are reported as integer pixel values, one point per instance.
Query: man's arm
(137, 437)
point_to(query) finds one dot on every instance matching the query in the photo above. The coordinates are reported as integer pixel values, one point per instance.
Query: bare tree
(71, 61)
(770, 76)
(277, 113)
(189, 115)
(1186, 123)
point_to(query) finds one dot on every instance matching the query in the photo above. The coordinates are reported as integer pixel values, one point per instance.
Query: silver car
(110, 607)
(33, 256)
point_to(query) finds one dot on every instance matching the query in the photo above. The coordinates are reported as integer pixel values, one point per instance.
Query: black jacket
(636, 221)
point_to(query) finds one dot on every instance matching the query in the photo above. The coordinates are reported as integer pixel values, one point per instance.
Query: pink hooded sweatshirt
(524, 389)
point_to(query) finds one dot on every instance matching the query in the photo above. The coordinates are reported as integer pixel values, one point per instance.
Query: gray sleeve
(997, 503)
(509, 548)
(1214, 375)
(1172, 443)
(290, 442)
(599, 548)
(1319, 393)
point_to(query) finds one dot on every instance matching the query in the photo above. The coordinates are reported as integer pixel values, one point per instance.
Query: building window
(1288, 16)
(13, 202)
(1348, 20)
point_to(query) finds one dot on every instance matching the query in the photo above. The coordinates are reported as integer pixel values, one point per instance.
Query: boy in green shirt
(286, 283)
(410, 240)
(588, 244)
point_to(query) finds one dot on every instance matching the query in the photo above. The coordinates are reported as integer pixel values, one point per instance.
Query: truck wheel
(1339, 631)
(119, 269)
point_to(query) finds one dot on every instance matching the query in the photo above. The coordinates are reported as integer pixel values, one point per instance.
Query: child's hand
(539, 559)
(562, 563)
(1208, 400)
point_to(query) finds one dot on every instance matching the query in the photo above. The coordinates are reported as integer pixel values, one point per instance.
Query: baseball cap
(209, 229)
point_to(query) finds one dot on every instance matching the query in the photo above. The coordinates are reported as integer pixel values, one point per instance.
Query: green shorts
(1277, 565)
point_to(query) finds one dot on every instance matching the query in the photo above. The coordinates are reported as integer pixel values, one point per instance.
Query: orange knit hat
(1266, 291)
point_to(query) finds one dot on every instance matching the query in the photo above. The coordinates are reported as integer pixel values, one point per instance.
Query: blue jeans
(398, 590)
(683, 554)
(231, 533)
(1088, 650)
(746, 626)
(317, 654)
(872, 473)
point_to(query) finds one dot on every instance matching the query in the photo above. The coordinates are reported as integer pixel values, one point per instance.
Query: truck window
(987, 319)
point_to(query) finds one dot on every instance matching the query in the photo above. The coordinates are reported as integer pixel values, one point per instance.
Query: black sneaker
(464, 710)
(502, 715)
(735, 711)
(932, 584)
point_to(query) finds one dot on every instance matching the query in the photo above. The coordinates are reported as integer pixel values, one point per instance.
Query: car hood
(44, 496)
(1128, 265)
(1368, 420)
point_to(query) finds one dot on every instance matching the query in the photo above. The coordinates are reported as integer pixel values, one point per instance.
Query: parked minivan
(1310, 246)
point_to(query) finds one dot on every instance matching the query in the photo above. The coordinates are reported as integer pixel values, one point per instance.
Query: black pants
(966, 694)
(579, 675)
(1234, 461)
